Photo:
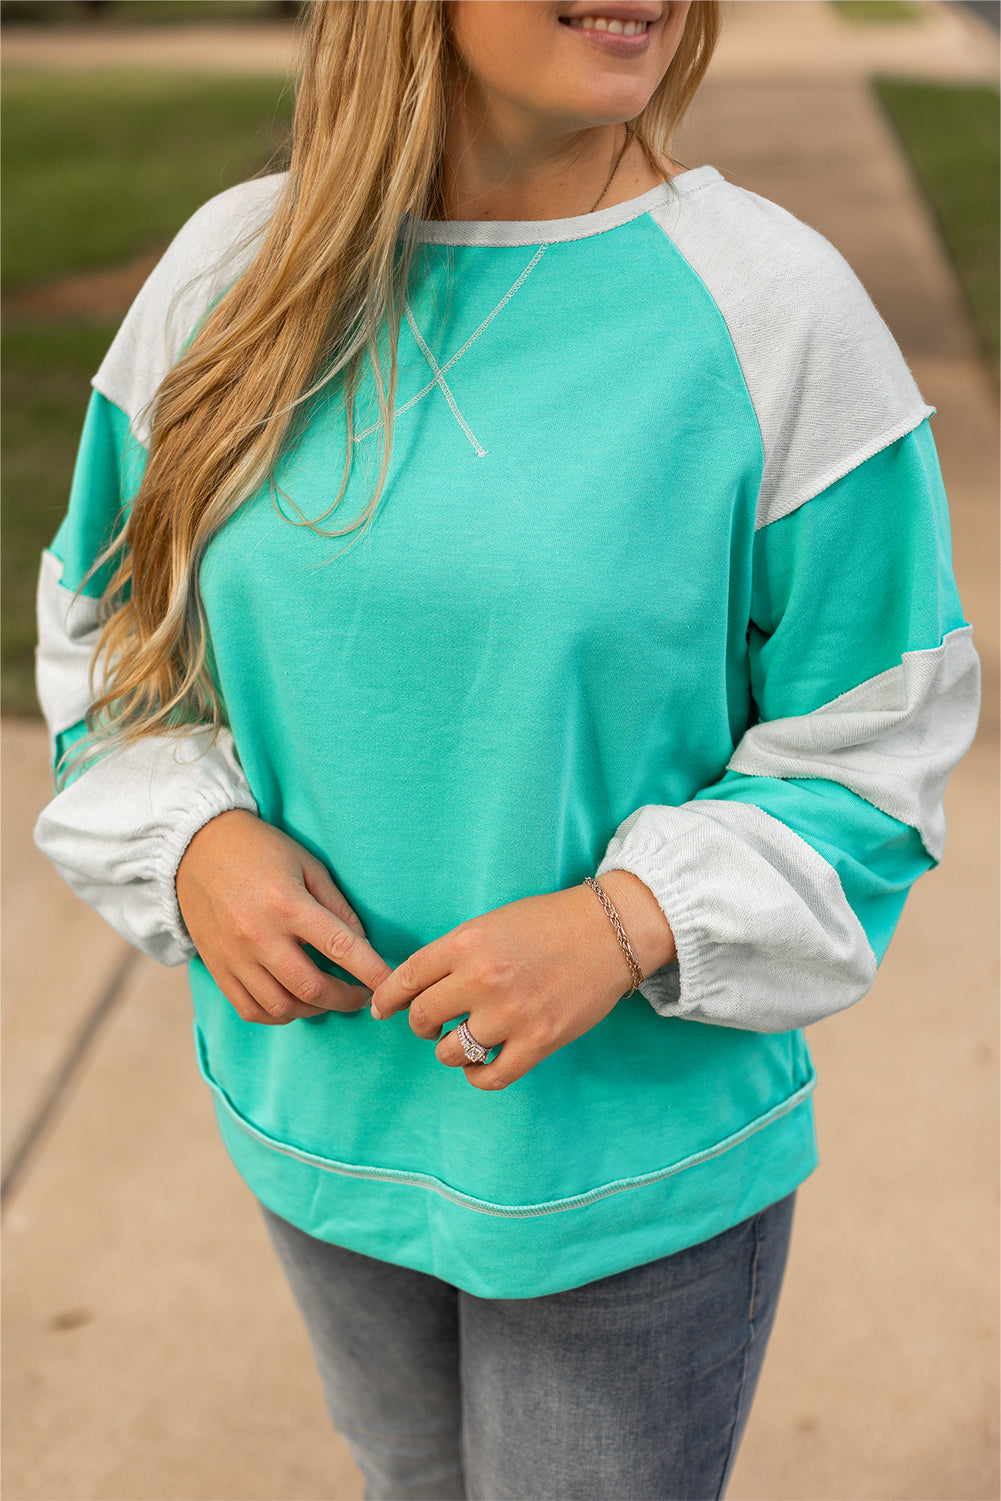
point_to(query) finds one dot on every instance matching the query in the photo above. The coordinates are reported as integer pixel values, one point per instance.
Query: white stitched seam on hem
(507, 1211)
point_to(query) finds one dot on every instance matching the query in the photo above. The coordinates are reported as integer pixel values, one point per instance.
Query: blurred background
(151, 1349)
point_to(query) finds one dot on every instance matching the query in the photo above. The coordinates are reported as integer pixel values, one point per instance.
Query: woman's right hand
(250, 898)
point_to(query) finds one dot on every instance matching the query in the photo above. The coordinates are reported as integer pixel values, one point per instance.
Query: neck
(514, 169)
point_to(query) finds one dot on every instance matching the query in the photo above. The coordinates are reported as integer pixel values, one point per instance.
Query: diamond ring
(474, 1051)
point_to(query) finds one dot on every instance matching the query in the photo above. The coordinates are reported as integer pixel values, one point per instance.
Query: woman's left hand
(532, 975)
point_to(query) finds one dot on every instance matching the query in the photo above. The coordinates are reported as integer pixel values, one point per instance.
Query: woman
(531, 661)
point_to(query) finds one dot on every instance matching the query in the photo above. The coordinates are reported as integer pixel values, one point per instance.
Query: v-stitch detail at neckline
(439, 371)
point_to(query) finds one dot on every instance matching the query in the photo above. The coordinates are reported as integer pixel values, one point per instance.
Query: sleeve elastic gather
(117, 834)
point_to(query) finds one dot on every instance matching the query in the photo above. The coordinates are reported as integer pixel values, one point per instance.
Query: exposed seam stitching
(536, 258)
(398, 412)
(700, 187)
(898, 668)
(907, 425)
(745, 382)
(445, 388)
(593, 234)
(483, 1206)
(765, 514)
(444, 369)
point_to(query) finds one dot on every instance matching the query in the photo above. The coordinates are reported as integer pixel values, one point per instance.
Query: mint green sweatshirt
(660, 580)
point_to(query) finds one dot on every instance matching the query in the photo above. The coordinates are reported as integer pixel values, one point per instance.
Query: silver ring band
(474, 1051)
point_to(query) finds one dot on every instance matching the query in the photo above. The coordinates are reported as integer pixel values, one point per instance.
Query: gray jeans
(633, 1388)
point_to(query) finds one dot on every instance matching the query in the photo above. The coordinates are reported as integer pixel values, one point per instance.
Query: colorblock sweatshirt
(660, 580)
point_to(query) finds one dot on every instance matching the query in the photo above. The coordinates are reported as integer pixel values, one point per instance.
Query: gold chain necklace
(618, 160)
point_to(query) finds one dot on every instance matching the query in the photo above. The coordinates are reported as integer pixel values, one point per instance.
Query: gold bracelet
(620, 932)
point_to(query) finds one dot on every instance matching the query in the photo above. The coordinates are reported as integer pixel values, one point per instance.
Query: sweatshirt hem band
(485, 1206)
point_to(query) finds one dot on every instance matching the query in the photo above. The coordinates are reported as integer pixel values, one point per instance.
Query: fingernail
(376, 1013)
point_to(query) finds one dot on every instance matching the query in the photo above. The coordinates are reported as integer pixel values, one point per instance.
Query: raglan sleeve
(784, 879)
(116, 831)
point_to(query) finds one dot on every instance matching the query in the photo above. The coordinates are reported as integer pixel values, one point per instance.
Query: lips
(616, 30)
(617, 27)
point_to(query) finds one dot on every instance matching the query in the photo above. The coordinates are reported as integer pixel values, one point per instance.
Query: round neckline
(549, 231)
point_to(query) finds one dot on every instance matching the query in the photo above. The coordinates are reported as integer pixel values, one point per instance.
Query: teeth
(602, 23)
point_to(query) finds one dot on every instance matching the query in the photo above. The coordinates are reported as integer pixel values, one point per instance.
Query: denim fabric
(636, 1387)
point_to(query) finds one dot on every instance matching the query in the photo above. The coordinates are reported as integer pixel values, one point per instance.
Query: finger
(408, 980)
(280, 1004)
(320, 886)
(335, 940)
(298, 975)
(450, 1051)
(512, 1063)
(238, 995)
(247, 1007)
(348, 997)
(434, 1007)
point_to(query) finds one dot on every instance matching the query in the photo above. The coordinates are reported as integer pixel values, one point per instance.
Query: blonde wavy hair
(331, 272)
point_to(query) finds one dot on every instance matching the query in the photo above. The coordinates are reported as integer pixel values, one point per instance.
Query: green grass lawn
(878, 11)
(95, 172)
(99, 168)
(47, 370)
(134, 12)
(951, 134)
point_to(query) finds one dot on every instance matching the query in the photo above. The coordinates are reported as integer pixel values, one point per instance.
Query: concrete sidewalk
(152, 1351)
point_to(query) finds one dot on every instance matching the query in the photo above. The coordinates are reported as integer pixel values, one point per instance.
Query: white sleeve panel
(893, 740)
(116, 835)
(827, 382)
(67, 635)
(766, 939)
(204, 258)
